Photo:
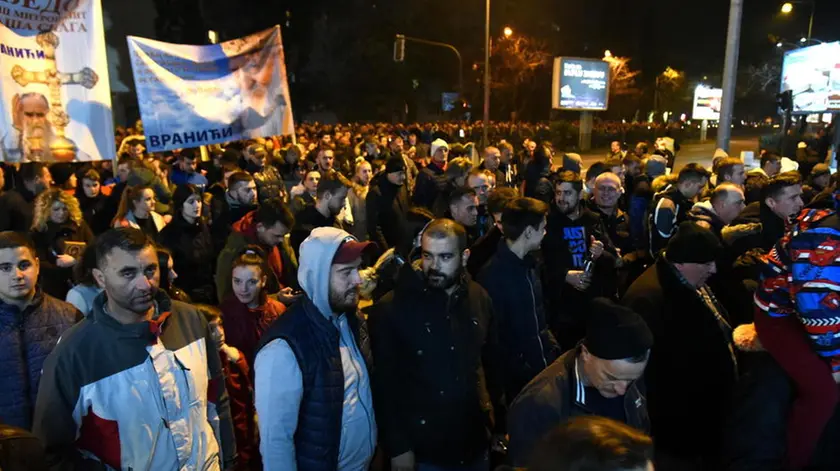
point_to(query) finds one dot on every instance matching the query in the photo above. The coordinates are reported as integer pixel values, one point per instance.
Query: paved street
(700, 153)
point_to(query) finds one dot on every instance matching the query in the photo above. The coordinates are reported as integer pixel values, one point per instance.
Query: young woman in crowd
(86, 289)
(59, 234)
(249, 311)
(137, 210)
(93, 201)
(240, 391)
(188, 238)
(168, 277)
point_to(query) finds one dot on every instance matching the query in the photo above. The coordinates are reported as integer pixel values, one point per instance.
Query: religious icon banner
(55, 101)
(196, 95)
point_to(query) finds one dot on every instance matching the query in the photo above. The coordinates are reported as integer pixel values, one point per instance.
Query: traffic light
(399, 48)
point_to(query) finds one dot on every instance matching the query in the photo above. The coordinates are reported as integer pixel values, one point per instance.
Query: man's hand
(404, 462)
(578, 280)
(287, 296)
(65, 261)
(596, 247)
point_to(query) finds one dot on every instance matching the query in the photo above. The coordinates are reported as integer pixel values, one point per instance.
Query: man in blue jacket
(312, 386)
(599, 377)
(510, 278)
(31, 323)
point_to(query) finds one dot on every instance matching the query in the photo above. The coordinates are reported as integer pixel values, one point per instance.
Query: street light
(508, 31)
(607, 54)
(787, 8)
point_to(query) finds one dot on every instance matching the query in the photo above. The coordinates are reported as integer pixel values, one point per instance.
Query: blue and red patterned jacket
(801, 277)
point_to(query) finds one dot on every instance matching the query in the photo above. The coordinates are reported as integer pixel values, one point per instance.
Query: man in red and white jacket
(138, 384)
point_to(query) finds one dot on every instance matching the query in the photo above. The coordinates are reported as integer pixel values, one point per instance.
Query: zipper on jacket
(536, 319)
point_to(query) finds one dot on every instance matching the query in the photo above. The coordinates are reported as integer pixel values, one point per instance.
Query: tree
(624, 94)
(514, 63)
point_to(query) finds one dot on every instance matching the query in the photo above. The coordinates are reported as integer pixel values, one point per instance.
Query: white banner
(196, 95)
(55, 102)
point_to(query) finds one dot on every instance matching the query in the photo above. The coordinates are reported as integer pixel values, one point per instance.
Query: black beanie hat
(615, 332)
(395, 164)
(693, 244)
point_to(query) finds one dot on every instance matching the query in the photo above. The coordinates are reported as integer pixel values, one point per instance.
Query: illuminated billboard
(580, 84)
(706, 103)
(812, 74)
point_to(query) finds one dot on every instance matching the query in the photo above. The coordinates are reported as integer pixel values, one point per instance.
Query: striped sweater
(801, 277)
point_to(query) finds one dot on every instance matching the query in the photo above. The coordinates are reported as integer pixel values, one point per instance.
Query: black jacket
(307, 219)
(662, 223)
(430, 389)
(526, 344)
(16, 208)
(94, 211)
(193, 256)
(555, 396)
(688, 339)
(483, 250)
(224, 213)
(50, 243)
(386, 207)
(430, 182)
(772, 228)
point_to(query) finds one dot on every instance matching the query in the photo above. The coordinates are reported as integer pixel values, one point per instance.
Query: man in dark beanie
(387, 204)
(692, 333)
(598, 377)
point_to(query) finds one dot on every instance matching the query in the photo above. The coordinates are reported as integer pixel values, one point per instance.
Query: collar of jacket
(670, 277)
(507, 256)
(412, 280)
(148, 330)
(579, 389)
(15, 313)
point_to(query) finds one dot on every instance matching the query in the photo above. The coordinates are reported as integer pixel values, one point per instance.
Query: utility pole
(485, 141)
(399, 53)
(730, 72)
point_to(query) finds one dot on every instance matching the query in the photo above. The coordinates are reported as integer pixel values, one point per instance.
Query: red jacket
(244, 326)
(241, 393)
(248, 228)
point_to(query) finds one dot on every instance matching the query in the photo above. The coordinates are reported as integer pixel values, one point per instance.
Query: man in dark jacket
(599, 377)
(387, 204)
(152, 373)
(575, 235)
(512, 281)
(230, 206)
(312, 386)
(781, 200)
(331, 197)
(725, 204)
(431, 179)
(607, 192)
(484, 248)
(690, 327)
(31, 323)
(433, 341)
(670, 207)
(16, 205)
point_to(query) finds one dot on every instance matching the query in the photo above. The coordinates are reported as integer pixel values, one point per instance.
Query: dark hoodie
(282, 265)
(193, 256)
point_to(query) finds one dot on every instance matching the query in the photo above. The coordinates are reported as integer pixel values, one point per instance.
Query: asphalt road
(700, 153)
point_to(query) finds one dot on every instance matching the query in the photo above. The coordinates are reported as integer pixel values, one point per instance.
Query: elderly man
(602, 373)
(492, 161)
(690, 327)
(431, 180)
(607, 192)
(32, 132)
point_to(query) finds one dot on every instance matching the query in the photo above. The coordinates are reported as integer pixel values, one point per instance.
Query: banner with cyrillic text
(196, 95)
(55, 100)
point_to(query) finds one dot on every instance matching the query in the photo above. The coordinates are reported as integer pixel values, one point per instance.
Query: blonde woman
(60, 235)
(137, 210)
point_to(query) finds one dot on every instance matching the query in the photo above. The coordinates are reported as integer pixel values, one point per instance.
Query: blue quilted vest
(314, 341)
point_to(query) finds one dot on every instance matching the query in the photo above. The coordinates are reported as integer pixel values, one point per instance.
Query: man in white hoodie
(312, 387)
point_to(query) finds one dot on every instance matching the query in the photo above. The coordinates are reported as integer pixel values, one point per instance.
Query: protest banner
(191, 96)
(55, 101)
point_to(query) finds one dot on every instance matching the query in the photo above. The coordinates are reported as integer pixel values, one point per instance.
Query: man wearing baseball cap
(692, 344)
(598, 377)
(312, 386)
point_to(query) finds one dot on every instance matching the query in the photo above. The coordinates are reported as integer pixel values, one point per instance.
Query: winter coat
(193, 257)
(555, 396)
(387, 206)
(94, 211)
(16, 208)
(662, 222)
(152, 230)
(27, 337)
(147, 395)
(50, 243)
(430, 182)
(245, 326)
(687, 335)
(526, 344)
(224, 213)
(307, 219)
(436, 370)
(280, 260)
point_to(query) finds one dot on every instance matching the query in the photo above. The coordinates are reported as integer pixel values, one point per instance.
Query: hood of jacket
(316, 256)
(703, 211)
(247, 226)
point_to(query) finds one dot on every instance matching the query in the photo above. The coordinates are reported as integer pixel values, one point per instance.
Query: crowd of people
(384, 297)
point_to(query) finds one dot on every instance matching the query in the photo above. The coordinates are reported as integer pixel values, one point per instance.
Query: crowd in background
(511, 301)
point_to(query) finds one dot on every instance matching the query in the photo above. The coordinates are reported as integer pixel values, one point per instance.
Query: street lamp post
(730, 70)
(787, 7)
(485, 142)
